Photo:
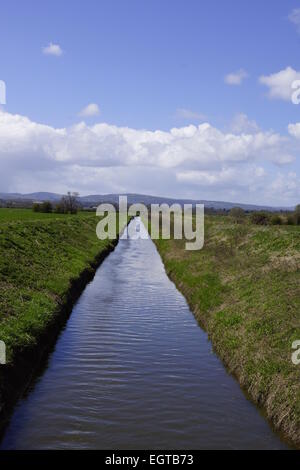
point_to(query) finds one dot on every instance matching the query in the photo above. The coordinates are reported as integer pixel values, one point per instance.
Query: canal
(132, 369)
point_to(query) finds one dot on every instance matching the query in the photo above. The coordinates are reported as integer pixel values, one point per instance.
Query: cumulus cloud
(192, 161)
(90, 110)
(226, 176)
(280, 83)
(235, 78)
(53, 49)
(294, 130)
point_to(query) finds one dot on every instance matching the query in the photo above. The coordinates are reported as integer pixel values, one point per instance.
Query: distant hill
(96, 199)
(43, 196)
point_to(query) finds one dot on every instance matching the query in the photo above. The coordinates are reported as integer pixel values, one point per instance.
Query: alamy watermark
(187, 222)
(296, 93)
(296, 353)
(2, 92)
(2, 353)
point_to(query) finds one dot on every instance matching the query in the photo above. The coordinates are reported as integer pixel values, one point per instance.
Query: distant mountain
(43, 196)
(96, 199)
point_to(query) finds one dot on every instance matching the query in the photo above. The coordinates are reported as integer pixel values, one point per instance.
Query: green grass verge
(244, 288)
(18, 215)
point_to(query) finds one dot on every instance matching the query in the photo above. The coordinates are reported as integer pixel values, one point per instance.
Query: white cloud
(225, 176)
(187, 114)
(235, 78)
(287, 185)
(280, 83)
(90, 110)
(53, 49)
(192, 161)
(294, 17)
(284, 159)
(294, 130)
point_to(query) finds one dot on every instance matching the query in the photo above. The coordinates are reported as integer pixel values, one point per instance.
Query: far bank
(244, 289)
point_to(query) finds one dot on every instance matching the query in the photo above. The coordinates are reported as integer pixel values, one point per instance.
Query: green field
(10, 215)
(244, 288)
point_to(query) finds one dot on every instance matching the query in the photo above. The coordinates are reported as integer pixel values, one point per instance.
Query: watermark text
(296, 353)
(187, 222)
(2, 92)
(2, 353)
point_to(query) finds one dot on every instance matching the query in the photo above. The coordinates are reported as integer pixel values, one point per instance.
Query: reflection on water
(132, 369)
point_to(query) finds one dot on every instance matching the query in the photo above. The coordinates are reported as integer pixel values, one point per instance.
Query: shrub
(290, 220)
(44, 207)
(260, 218)
(36, 208)
(237, 214)
(297, 215)
(276, 220)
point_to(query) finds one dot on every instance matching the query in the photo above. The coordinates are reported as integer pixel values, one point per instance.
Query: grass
(17, 215)
(244, 287)
(40, 256)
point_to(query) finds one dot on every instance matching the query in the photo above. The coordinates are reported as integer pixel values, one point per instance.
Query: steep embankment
(45, 263)
(244, 288)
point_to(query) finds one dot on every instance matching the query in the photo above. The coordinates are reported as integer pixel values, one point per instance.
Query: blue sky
(151, 66)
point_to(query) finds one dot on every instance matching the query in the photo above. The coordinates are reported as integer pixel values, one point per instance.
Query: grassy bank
(46, 259)
(22, 215)
(244, 288)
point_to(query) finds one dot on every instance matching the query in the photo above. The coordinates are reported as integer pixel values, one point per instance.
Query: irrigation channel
(132, 369)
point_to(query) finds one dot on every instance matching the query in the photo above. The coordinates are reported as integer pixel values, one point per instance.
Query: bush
(36, 208)
(297, 215)
(44, 207)
(290, 220)
(276, 220)
(237, 214)
(260, 218)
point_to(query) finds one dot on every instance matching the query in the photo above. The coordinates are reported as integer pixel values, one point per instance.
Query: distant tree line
(266, 218)
(67, 205)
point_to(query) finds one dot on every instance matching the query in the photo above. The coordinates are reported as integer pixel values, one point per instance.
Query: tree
(297, 214)
(238, 214)
(72, 203)
(60, 207)
(68, 204)
(46, 207)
